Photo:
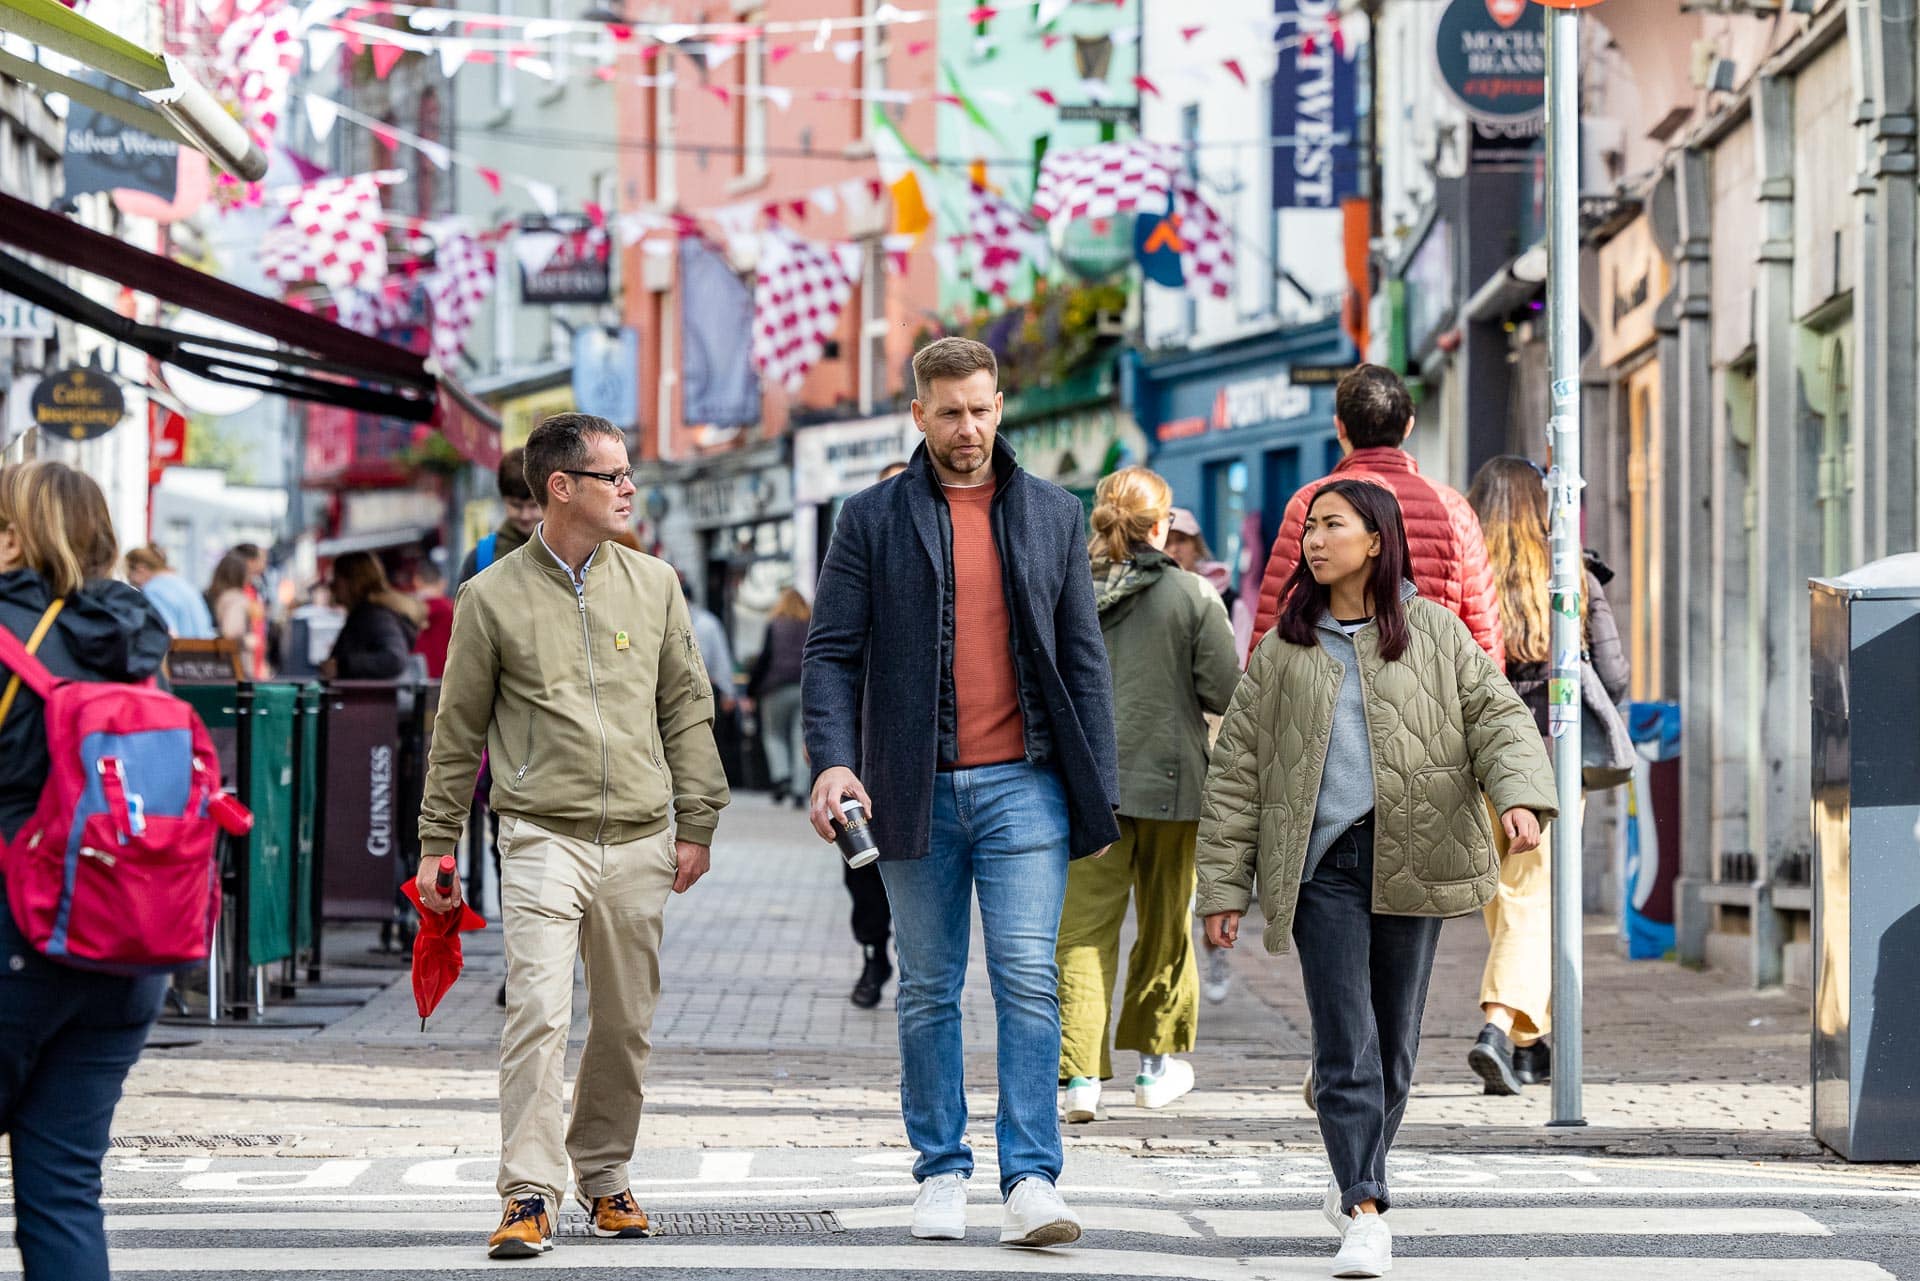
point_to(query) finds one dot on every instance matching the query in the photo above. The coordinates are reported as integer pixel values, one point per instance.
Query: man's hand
(1223, 928)
(828, 789)
(693, 862)
(430, 897)
(1523, 830)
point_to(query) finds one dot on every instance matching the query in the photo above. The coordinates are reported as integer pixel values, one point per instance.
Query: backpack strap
(484, 550)
(25, 666)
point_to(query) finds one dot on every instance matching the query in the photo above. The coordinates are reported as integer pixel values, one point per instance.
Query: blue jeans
(68, 1038)
(1001, 829)
(1365, 976)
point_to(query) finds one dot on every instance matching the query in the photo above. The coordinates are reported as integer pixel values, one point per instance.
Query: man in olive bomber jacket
(573, 664)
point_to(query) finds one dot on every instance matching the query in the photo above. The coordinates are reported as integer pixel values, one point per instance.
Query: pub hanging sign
(78, 403)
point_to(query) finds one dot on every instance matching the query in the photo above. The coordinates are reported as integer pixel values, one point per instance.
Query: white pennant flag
(851, 257)
(856, 197)
(822, 36)
(825, 199)
(1049, 10)
(847, 50)
(433, 151)
(674, 32)
(544, 196)
(323, 47)
(538, 67)
(719, 54)
(321, 115)
(431, 19)
(453, 56)
(947, 259)
(545, 29)
(779, 95)
(320, 11)
(535, 249)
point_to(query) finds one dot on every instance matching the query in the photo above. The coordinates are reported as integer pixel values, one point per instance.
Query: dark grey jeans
(1366, 982)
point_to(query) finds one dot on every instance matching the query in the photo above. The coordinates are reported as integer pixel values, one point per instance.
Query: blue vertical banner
(1315, 108)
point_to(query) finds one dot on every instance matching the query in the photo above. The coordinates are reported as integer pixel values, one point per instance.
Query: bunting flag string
(1001, 237)
(462, 278)
(1110, 178)
(332, 235)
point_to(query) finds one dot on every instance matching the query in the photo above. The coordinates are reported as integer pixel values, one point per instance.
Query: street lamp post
(1569, 572)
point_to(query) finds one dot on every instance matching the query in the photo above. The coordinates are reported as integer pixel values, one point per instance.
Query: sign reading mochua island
(78, 403)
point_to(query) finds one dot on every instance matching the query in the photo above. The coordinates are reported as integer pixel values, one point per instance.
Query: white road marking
(1607, 1221)
(923, 1260)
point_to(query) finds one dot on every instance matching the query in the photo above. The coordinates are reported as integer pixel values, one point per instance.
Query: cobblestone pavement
(756, 1044)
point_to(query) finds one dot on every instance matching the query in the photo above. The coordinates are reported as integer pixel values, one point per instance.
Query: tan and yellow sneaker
(618, 1215)
(526, 1230)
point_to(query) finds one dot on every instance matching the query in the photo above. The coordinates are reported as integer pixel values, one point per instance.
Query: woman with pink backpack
(68, 1036)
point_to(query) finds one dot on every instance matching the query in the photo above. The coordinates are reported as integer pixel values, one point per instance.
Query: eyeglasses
(615, 478)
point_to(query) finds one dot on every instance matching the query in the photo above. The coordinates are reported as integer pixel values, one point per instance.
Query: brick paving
(757, 1046)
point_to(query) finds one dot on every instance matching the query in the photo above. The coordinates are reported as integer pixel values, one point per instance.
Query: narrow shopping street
(773, 1144)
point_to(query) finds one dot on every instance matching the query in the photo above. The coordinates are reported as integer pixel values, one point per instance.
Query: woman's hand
(1223, 928)
(1523, 830)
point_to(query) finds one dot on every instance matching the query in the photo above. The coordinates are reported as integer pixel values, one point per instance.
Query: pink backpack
(116, 871)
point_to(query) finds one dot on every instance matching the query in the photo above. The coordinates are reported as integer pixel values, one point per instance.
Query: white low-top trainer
(940, 1211)
(1083, 1101)
(1367, 1249)
(1174, 1080)
(1037, 1216)
(1335, 1216)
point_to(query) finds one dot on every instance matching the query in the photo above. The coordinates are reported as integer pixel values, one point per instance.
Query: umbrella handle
(443, 882)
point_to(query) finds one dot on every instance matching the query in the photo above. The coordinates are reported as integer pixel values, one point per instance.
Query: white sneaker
(1037, 1216)
(1158, 1091)
(1330, 1207)
(1216, 975)
(940, 1211)
(1083, 1101)
(1367, 1250)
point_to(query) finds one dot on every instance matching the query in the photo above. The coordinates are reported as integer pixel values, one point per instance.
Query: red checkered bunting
(373, 311)
(260, 52)
(1111, 178)
(334, 234)
(799, 292)
(1000, 239)
(461, 280)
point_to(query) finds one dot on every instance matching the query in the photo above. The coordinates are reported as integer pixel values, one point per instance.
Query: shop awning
(181, 109)
(317, 360)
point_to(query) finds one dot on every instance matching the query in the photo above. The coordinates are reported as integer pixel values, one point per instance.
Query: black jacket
(375, 643)
(106, 632)
(878, 685)
(780, 657)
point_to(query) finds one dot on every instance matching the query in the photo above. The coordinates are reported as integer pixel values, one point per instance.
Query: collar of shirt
(578, 580)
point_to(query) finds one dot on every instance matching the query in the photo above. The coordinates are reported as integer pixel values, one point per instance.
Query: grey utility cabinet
(1866, 834)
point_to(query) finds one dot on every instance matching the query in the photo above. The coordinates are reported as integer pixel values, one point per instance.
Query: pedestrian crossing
(1434, 1243)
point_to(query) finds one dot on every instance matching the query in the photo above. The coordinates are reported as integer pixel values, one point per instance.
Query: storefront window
(1226, 508)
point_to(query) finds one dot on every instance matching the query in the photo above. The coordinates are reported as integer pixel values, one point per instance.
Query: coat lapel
(926, 521)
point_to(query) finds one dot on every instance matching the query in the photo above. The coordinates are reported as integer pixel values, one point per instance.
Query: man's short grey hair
(951, 358)
(562, 443)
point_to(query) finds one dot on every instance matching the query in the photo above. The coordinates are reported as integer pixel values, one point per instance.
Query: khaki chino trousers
(1519, 969)
(560, 899)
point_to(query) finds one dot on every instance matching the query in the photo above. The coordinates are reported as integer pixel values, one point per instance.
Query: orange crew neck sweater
(986, 692)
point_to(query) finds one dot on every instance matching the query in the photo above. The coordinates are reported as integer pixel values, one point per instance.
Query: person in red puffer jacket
(1373, 414)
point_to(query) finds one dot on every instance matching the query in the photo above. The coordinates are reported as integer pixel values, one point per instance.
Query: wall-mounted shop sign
(1314, 105)
(78, 403)
(1247, 402)
(563, 259)
(1634, 277)
(1492, 57)
(844, 458)
(21, 319)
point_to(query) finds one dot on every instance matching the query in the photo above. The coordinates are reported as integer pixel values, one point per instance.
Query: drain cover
(196, 1141)
(743, 1223)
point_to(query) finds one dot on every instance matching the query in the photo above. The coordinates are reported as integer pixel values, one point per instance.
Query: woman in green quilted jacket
(1345, 789)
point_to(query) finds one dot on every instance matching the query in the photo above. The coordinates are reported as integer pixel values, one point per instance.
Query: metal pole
(1569, 573)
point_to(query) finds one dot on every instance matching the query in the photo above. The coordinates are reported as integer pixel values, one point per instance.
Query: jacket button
(1169, 775)
(1163, 809)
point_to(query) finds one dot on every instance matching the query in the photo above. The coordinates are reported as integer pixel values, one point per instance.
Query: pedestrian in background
(376, 641)
(1170, 648)
(774, 686)
(235, 611)
(1509, 494)
(430, 590)
(68, 1037)
(184, 609)
(1372, 417)
(258, 623)
(523, 513)
(1345, 789)
(573, 663)
(972, 696)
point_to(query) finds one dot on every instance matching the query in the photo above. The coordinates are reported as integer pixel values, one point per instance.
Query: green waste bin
(258, 722)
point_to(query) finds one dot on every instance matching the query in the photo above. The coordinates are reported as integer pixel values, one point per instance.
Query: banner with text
(1317, 163)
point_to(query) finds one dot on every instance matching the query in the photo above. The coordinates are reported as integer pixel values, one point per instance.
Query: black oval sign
(78, 403)
(1492, 56)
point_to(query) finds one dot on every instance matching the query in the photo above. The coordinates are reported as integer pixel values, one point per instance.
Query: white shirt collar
(540, 532)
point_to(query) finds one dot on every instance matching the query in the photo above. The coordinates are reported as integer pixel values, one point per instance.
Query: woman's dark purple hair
(1305, 600)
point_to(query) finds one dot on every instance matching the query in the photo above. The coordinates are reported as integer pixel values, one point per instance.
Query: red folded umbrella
(436, 950)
